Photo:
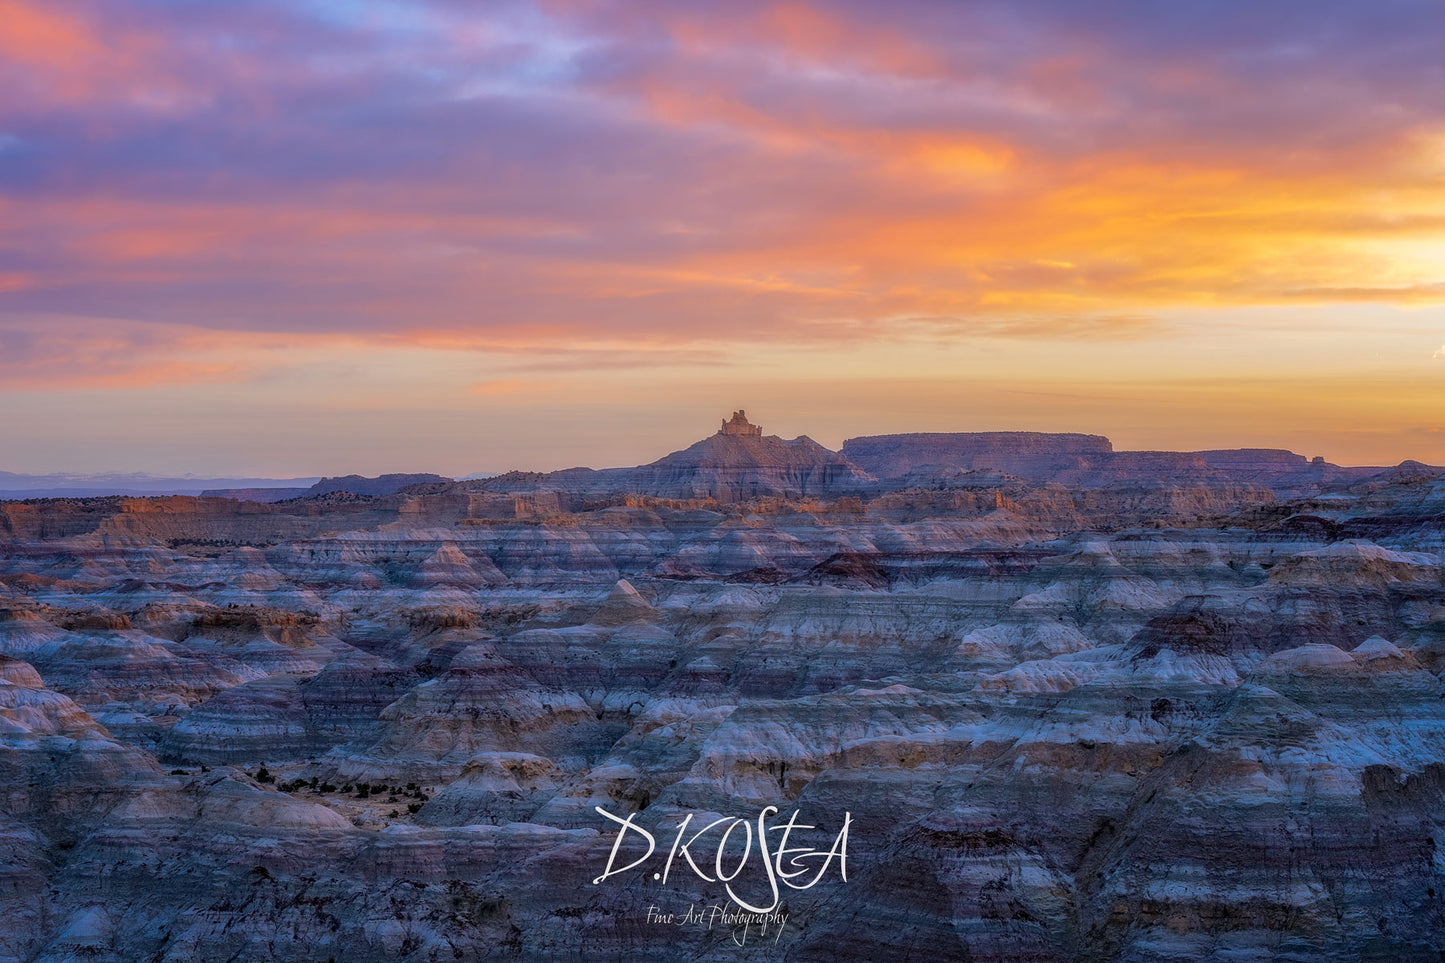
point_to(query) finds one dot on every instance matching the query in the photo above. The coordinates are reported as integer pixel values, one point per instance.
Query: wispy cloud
(750, 172)
(503, 386)
(528, 200)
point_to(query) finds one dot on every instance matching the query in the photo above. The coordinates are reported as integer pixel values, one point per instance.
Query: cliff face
(1090, 461)
(1025, 453)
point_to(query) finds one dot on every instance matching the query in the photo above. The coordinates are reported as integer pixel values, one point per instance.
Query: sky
(326, 236)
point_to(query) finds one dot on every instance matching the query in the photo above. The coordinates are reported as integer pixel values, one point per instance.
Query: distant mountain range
(78, 485)
(75, 485)
(739, 462)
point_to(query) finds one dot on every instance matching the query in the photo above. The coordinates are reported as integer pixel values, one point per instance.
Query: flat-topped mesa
(380, 485)
(740, 427)
(1090, 461)
(1258, 459)
(1026, 453)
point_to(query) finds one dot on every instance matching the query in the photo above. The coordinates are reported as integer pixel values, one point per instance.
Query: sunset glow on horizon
(331, 236)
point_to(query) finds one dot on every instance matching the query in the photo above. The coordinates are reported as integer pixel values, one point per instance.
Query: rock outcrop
(1090, 461)
(1028, 454)
(734, 465)
(1171, 718)
(380, 485)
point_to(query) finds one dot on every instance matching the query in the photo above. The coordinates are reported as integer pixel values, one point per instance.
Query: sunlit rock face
(1153, 719)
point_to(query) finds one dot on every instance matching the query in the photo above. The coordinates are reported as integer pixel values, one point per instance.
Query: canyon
(1074, 703)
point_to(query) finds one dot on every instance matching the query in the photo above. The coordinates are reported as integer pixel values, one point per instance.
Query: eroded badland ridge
(1080, 705)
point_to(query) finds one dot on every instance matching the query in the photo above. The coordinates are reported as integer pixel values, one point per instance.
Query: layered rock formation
(740, 462)
(1091, 461)
(380, 485)
(737, 463)
(1029, 454)
(1173, 719)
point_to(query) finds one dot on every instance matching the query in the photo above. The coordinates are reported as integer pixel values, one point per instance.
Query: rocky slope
(1146, 721)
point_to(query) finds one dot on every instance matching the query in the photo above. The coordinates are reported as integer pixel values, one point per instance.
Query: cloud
(109, 353)
(673, 179)
(504, 386)
(1439, 352)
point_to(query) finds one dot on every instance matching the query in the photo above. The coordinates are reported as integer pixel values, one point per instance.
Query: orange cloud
(797, 218)
(37, 35)
(52, 56)
(504, 386)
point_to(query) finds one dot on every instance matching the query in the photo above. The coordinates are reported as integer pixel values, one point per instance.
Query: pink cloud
(673, 179)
